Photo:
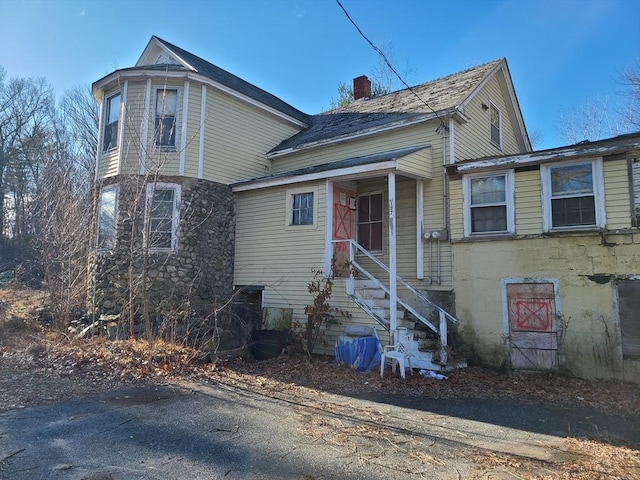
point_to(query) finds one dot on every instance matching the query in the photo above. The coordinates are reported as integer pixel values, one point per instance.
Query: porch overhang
(413, 162)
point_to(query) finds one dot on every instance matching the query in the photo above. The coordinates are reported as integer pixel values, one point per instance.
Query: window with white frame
(370, 208)
(162, 216)
(111, 121)
(107, 217)
(488, 203)
(495, 129)
(301, 211)
(166, 114)
(573, 195)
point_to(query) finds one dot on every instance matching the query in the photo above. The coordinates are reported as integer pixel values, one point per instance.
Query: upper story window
(111, 121)
(163, 216)
(488, 204)
(301, 209)
(370, 208)
(166, 111)
(495, 118)
(107, 217)
(573, 195)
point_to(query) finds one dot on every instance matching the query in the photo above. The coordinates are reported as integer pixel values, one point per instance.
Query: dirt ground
(40, 365)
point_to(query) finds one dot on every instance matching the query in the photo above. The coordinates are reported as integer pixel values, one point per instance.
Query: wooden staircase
(375, 302)
(414, 312)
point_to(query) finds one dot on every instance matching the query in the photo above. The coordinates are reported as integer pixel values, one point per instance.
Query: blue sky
(561, 53)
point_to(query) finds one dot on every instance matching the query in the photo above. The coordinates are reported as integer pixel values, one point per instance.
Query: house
(546, 253)
(211, 185)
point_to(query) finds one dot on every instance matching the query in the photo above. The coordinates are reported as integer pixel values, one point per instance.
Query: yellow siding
(418, 164)
(456, 209)
(617, 198)
(408, 137)
(133, 118)
(590, 342)
(472, 138)
(269, 254)
(194, 130)
(528, 207)
(237, 138)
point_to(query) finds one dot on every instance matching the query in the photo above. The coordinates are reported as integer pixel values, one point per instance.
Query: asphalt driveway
(211, 432)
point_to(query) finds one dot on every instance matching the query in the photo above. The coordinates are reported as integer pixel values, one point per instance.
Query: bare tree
(383, 79)
(26, 109)
(605, 117)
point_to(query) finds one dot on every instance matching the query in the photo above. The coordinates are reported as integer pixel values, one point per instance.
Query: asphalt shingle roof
(223, 77)
(441, 95)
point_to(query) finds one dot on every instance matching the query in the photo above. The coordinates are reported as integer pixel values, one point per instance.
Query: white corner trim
(183, 129)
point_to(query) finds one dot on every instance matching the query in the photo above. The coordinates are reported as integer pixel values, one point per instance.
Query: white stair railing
(410, 298)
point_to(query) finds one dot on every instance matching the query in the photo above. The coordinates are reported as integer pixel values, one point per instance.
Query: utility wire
(386, 60)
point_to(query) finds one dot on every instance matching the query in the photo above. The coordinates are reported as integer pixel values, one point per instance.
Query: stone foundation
(194, 279)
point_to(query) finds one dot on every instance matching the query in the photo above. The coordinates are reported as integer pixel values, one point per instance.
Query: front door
(344, 226)
(533, 333)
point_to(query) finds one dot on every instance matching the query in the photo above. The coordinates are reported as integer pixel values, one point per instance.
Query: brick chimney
(361, 87)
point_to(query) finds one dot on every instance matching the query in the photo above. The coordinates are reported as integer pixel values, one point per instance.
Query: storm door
(533, 329)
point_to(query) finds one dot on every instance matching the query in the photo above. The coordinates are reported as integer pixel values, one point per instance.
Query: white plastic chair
(400, 353)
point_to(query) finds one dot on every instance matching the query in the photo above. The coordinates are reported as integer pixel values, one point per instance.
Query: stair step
(365, 283)
(370, 292)
(386, 313)
(377, 302)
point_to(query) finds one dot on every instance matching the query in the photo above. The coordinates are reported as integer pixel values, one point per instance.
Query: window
(573, 195)
(488, 204)
(301, 209)
(496, 125)
(107, 217)
(370, 222)
(111, 120)
(166, 114)
(163, 213)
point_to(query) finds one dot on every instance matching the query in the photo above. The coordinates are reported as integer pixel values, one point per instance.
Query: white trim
(328, 228)
(123, 109)
(100, 140)
(419, 230)
(393, 283)
(179, 93)
(290, 192)
(145, 127)
(509, 186)
(452, 142)
(197, 77)
(381, 167)
(598, 195)
(484, 81)
(203, 117)
(183, 129)
(175, 220)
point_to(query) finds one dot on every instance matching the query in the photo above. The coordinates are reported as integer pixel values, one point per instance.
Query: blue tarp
(362, 353)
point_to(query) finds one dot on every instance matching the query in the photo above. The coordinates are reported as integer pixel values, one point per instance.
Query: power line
(386, 60)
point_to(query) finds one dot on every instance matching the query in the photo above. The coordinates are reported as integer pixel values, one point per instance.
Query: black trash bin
(267, 344)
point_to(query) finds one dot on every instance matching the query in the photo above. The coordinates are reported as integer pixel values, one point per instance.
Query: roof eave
(548, 156)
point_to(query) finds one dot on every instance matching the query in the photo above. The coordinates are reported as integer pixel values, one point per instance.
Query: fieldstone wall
(195, 278)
